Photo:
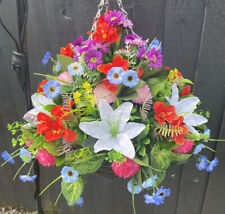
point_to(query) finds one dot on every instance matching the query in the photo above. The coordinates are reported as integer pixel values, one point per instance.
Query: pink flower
(45, 158)
(143, 93)
(126, 169)
(28, 142)
(185, 148)
(65, 76)
(101, 92)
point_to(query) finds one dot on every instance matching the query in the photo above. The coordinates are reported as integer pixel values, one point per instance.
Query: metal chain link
(120, 4)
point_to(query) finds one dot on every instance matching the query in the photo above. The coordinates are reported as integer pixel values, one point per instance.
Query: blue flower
(130, 78)
(7, 157)
(69, 175)
(115, 75)
(149, 182)
(25, 155)
(149, 199)
(156, 44)
(75, 68)
(198, 148)
(212, 165)
(58, 67)
(207, 133)
(137, 188)
(52, 89)
(202, 162)
(79, 202)
(27, 178)
(46, 58)
(158, 197)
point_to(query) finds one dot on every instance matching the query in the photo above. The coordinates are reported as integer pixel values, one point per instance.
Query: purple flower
(156, 59)
(126, 23)
(78, 41)
(143, 54)
(102, 47)
(94, 58)
(134, 40)
(114, 17)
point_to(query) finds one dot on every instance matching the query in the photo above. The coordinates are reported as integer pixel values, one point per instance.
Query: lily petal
(106, 144)
(192, 130)
(194, 120)
(105, 109)
(133, 129)
(122, 114)
(175, 95)
(125, 146)
(39, 101)
(186, 106)
(96, 129)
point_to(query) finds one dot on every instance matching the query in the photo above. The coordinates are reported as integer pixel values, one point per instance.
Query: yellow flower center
(75, 67)
(94, 60)
(113, 18)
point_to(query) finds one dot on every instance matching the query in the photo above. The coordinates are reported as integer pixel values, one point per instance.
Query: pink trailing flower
(65, 76)
(143, 93)
(101, 92)
(28, 142)
(185, 148)
(45, 158)
(126, 169)
(156, 59)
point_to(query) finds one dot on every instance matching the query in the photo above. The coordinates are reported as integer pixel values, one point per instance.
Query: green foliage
(178, 158)
(92, 75)
(59, 161)
(168, 130)
(142, 161)
(187, 81)
(58, 100)
(48, 108)
(72, 191)
(148, 74)
(51, 147)
(115, 156)
(64, 61)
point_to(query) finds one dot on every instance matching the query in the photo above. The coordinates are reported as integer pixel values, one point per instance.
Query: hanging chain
(120, 4)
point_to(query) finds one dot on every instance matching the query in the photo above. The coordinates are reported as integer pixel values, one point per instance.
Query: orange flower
(163, 113)
(67, 51)
(186, 91)
(40, 86)
(179, 125)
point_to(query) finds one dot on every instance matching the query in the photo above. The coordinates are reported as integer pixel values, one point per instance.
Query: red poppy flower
(59, 111)
(67, 51)
(118, 61)
(140, 72)
(163, 113)
(167, 68)
(186, 91)
(105, 33)
(113, 88)
(58, 131)
(45, 124)
(179, 125)
(40, 86)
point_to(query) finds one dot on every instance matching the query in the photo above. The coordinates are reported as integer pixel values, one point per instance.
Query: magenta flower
(94, 58)
(156, 59)
(144, 54)
(134, 40)
(126, 23)
(77, 41)
(114, 17)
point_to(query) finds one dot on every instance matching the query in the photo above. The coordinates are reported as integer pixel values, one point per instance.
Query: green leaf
(143, 134)
(59, 161)
(160, 158)
(48, 107)
(72, 191)
(58, 100)
(132, 96)
(142, 162)
(154, 73)
(14, 142)
(88, 165)
(66, 89)
(64, 61)
(178, 158)
(142, 151)
(51, 147)
(156, 85)
(87, 119)
(187, 81)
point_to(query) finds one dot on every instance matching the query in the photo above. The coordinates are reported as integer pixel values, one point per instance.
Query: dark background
(193, 36)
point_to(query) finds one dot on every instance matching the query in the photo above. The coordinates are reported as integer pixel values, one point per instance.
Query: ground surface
(10, 210)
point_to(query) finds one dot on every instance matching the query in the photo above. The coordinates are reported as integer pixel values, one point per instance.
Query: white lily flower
(113, 131)
(39, 102)
(184, 108)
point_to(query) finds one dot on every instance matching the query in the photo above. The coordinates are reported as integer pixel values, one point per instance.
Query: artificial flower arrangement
(107, 107)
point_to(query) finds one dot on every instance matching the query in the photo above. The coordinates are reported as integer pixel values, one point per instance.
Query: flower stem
(216, 140)
(133, 195)
(50, 185)
(57, 198)
(118, 41)
(31, 167)
(10, 159)
(19, 170)
(209, 148)
(158, 170)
